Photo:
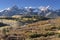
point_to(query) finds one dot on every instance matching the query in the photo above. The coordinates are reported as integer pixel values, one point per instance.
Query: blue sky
(55, 4)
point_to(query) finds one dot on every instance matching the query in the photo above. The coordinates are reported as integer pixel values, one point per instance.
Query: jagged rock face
(43, 11)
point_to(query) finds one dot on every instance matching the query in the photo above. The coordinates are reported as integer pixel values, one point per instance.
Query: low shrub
(35, 35)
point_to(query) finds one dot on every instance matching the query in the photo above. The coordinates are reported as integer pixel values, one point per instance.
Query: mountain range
(29, 11)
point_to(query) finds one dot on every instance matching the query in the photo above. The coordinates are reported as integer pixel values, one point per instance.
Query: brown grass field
(41, 30)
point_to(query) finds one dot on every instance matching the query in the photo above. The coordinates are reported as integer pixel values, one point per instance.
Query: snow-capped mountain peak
(5, 9)
(8, 9)
(42, 10)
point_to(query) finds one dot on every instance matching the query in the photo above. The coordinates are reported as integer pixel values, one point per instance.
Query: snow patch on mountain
(48, 14)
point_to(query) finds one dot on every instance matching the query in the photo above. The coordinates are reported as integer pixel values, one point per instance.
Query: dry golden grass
(49, 29)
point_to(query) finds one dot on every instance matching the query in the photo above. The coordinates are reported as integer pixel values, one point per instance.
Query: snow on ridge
(43, 8)
(1, 10)
(8, 8)
(48, 14)
(5, 9)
